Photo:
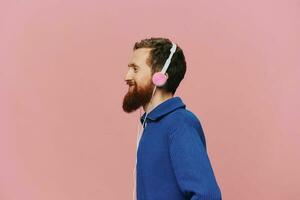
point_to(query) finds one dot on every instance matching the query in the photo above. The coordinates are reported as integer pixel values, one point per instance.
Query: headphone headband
(168, 61)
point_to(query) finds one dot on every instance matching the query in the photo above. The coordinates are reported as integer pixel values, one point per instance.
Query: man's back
(172, 161)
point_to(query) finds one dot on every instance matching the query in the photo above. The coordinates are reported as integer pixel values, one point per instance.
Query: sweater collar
(164, 108)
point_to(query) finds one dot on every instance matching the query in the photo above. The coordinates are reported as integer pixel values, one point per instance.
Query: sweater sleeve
(191, 164)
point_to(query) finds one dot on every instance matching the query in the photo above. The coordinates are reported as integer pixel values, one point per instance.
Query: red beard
(137, 97)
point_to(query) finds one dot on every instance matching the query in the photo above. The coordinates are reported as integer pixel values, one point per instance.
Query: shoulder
(184, 117)
(184, 121)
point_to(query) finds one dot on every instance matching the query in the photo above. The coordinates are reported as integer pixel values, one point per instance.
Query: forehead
(139, 57)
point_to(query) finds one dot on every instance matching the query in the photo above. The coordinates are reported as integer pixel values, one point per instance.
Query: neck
(158, 97)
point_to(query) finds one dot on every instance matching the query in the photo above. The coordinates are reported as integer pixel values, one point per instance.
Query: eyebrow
(132, 65)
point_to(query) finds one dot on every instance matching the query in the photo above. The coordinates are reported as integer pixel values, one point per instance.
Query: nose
(128, 76)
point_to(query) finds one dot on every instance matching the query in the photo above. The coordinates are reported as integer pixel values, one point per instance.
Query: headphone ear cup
(159, 79)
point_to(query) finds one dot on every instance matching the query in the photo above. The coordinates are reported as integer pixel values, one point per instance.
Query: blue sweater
(172, 161)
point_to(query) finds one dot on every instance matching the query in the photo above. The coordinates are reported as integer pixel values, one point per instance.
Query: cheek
(145, 80)
(143, 83)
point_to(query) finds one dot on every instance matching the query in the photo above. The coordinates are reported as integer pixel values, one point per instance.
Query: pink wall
(63, 134)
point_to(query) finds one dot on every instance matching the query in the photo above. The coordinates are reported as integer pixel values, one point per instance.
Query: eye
(135, 69)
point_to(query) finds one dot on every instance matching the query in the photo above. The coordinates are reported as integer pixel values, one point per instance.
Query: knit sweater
(172, 160)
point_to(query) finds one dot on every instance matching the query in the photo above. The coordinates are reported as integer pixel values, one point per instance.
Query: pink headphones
(159, 78)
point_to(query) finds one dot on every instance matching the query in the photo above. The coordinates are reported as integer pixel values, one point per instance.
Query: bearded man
(172, 161)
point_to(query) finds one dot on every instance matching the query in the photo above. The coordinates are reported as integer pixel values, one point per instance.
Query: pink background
(63, 134)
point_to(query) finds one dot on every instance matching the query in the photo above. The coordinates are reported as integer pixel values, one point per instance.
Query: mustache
(130, 83)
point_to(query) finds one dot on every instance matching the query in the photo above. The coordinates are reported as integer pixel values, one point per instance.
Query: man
(172, 161)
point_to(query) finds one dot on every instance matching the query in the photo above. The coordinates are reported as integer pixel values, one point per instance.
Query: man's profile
(172, 160)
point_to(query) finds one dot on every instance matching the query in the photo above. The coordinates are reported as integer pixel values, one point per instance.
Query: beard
(137, 97)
